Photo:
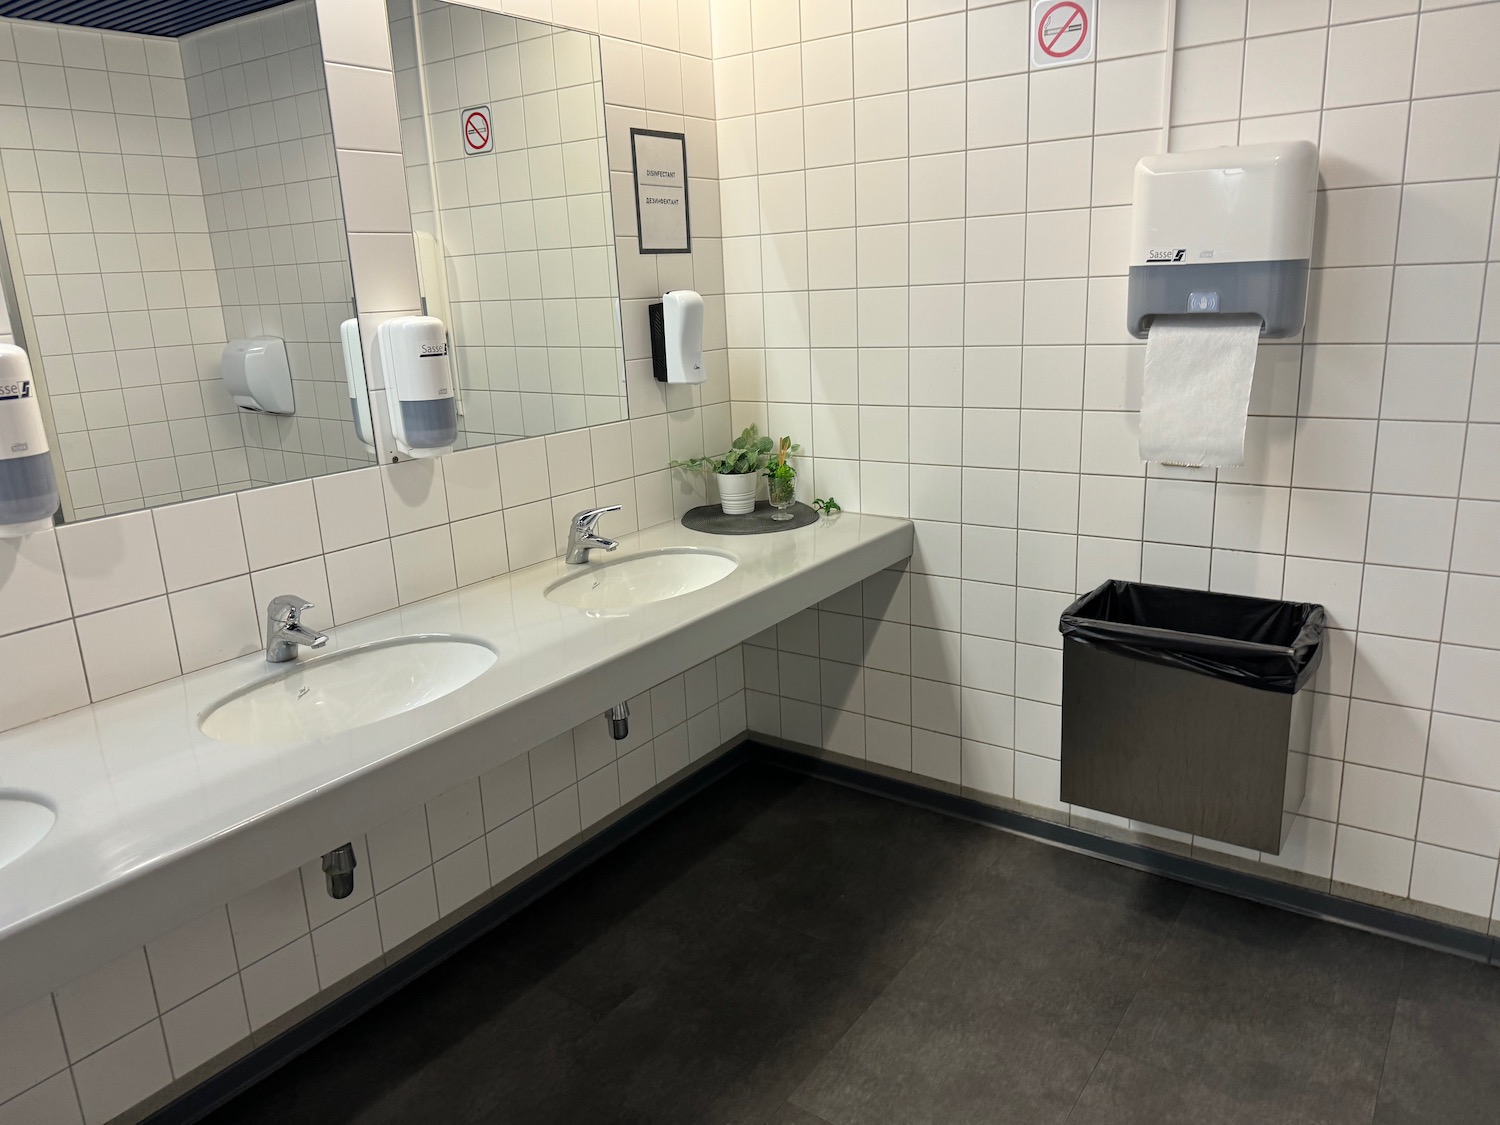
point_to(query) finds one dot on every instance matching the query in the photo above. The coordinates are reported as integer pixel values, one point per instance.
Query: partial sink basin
(651, 576)
(348, 689)
(23, 824)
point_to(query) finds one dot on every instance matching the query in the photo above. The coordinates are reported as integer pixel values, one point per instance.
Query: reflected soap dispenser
(28, 489)
(413, 353)
(677, 337)
(359, 389)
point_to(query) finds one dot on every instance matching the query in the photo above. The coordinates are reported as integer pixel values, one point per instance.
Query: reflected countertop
(157, 822)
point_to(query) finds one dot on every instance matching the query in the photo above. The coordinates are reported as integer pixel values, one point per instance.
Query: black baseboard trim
(195, 1104)
(1185, 869)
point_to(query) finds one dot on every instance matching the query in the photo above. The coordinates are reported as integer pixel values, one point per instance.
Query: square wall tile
(472, 483)
(424, 563)
(374, 191)
(216, 622)
(415, 495)
(111, 561)
(351, 508)
(33, 589)
(201, 541)
(128, 647)
(281, 524)
(361, 581)
(44, 674)
(123, 1074)
(362, 103)
(192, 958)
(104, 1005)
(31, 1047)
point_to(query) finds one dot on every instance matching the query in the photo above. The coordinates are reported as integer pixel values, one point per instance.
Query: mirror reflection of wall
(166, 194)
(515, 245)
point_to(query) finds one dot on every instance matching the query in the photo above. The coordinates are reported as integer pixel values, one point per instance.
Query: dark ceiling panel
(145, 17)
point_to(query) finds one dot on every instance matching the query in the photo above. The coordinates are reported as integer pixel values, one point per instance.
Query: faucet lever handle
(288, 608)
(586, 520)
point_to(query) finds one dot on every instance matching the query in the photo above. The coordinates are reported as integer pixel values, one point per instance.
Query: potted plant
(781, 479)
(737, 470)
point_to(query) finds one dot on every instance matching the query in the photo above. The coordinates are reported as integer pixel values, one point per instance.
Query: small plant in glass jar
(781, 480)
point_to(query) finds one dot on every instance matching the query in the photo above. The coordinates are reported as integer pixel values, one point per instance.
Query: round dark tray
(711, 518)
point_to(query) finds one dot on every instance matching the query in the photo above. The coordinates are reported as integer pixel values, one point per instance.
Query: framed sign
(661, 191)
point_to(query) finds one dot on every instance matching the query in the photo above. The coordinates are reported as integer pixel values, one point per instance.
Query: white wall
(925, 258)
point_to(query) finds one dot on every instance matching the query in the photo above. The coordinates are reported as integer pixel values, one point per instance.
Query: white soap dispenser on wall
(677, 337)
(418, 376)
(28, 489)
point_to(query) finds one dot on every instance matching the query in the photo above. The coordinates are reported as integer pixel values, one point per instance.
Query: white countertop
(157, 823)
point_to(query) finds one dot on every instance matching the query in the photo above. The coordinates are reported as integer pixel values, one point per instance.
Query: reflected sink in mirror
(349, 689)
(24, 822)
(652, 576)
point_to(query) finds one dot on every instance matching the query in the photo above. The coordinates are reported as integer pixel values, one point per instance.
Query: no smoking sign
(1062, 32)
(479, 138)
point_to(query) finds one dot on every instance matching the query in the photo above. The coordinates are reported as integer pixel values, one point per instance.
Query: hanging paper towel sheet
(1197, 389)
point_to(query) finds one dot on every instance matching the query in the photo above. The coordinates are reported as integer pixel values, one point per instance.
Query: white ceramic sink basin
(652, 576)
(349, 689)
(23, 823)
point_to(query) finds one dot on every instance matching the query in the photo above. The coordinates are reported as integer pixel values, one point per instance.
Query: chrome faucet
(582, 536)
(285, 631)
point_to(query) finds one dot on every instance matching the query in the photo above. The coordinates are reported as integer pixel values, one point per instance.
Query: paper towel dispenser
(1224, 231)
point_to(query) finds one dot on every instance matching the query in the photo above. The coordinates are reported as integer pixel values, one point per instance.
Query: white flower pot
(737, 492)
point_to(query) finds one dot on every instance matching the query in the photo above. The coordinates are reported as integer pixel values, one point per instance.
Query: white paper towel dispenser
(1224, 231)
(257, 375)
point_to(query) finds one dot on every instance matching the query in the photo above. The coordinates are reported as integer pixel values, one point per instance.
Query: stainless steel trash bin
(1187, 709)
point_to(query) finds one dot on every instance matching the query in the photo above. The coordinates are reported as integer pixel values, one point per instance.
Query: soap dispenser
(414, 362)
(677, 337)
(28, 488)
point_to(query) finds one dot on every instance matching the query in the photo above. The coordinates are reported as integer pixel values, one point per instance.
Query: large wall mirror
(502, 131)
(170, 191)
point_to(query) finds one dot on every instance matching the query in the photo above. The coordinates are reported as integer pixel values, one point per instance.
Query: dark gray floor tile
(727, 1036)
(1269, 1008)
(960, 1038)
(866, 873)
(1125, 1092)
(1040, 899)
(450, 1050)
(1444, 1058)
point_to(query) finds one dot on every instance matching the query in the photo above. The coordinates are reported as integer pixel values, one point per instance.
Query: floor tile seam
(839, 1042)
(1390, 1038)
(1146, 967)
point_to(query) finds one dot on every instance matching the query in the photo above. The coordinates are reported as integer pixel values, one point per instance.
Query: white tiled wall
(109, 242)
(526, 273)
(925, 258)
(261, 127)
(139, 1030)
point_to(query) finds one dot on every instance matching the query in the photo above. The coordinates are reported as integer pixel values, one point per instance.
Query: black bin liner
(1256, 642)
